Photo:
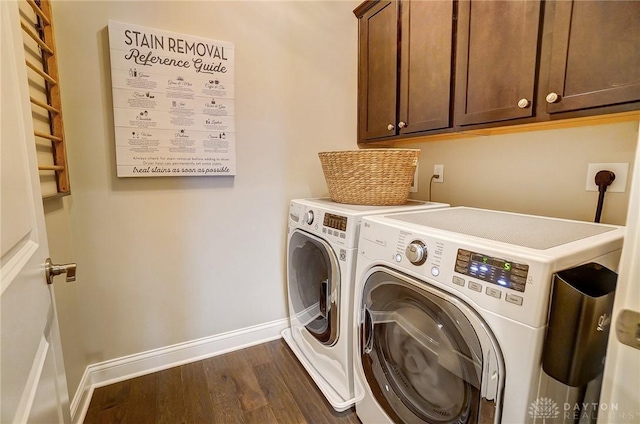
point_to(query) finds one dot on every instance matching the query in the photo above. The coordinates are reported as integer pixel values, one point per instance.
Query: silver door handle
(628, 328)
(51, 270)
(367, 330)
(324, 300)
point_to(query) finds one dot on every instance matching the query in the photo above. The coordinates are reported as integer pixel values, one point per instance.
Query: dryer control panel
(337, 222)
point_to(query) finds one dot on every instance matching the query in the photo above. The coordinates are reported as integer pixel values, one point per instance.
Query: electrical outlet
(619, 185)
(438, 170)
(414, 183)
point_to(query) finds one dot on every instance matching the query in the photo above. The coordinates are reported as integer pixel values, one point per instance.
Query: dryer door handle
(324, 297)
(367, 331)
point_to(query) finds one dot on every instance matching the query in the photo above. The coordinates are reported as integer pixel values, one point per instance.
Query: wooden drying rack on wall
(41, 61)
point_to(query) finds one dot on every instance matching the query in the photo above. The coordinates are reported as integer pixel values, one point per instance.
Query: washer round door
(314, 282)
(426, 355)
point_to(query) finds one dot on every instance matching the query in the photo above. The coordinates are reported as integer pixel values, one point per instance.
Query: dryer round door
(426, 355)
(314, 282)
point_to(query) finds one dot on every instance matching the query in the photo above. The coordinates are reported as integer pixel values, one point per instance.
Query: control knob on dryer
(308, 217)
(416, 252)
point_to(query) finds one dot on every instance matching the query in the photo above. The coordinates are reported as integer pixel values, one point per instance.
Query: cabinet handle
(390, 127)
(523, 103)
(402, 124)
(553, 97)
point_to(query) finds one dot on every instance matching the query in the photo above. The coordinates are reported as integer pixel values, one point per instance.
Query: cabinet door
(496, 60)
(377, 85)
(595, 55)
(426, 32)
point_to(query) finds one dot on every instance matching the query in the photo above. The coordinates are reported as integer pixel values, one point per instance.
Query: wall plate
(619, 185)
(438, 169)
(414, 183)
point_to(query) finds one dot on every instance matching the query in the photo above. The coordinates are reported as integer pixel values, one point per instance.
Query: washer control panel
(492, 270)
(504, 283)
(492, 275)
(489, 279)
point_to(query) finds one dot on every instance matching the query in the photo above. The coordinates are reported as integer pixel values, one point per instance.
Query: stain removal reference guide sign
(173, 103)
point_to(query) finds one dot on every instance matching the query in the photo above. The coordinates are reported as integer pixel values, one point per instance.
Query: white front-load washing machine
(451, 309)
(321, 261)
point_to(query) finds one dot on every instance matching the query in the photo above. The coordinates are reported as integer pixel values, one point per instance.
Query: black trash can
(576, 341)
(579, 323)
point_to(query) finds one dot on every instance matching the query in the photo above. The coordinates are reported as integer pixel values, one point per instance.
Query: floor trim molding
(136, 365)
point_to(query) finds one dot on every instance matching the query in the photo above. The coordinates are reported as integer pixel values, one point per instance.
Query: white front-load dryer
(451, 311)
(321, 261)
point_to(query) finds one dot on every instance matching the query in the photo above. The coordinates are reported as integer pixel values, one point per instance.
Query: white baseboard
(120, 369)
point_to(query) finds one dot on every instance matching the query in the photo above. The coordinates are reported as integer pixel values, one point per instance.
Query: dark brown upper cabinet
(405, 67)
(430, 67)
(377, 77)
(594, 55)
(496, 61)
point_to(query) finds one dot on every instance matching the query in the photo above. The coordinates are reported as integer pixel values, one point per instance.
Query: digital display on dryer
(493, 270)
(337, 222)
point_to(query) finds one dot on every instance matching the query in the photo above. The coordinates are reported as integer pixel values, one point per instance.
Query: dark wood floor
(261, 384)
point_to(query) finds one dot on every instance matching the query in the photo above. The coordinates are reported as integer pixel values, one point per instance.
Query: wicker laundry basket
(377, 177)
